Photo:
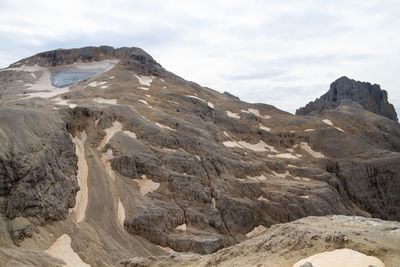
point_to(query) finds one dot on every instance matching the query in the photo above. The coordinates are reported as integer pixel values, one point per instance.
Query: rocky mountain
(371, 97)
(106, 156)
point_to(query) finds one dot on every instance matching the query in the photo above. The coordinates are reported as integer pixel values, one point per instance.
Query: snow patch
(145, 102)
(143, 88)
(306, 147)
(259, 178)
(82, 194)
(255, 112)
(44, 87)
(284, 155)
(281, 175)
(340, 258)
(329, 122)
(259, 147)
(146, 185)
(120, 213)
(130, 134)
(261, 198)
(64, 102)
(169, 149)
(145, 80)
(233, 115)
(182, 227)
(265, 128)
(196, 97)
(105, 101)
(116, 126)
(96, 83)
(211, 105)
(309, 130)
(162, 126)
(61, 249)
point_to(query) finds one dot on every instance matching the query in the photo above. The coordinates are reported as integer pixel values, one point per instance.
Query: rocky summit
(108, 159)
(371, 97)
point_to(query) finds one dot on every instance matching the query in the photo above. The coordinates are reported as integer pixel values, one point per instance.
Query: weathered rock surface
(37, 164)
(371, 97)
(172, 165)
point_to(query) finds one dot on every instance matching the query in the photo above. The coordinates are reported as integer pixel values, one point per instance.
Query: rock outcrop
(371, 97)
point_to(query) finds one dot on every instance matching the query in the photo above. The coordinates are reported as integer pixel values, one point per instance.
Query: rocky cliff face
(136, 161)
(371, 97)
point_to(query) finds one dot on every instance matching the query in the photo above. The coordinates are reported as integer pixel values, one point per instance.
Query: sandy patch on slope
(61, 249)
(82, 194)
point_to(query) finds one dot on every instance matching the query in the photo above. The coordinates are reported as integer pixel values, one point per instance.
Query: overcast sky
(281, 52)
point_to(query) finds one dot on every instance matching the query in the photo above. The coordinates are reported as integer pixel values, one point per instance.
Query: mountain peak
(370, 96)
(132, 57)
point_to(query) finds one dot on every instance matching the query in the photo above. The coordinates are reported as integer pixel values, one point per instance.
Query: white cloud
(284, 53)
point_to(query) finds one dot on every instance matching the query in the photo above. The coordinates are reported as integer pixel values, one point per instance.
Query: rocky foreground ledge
(355, 241)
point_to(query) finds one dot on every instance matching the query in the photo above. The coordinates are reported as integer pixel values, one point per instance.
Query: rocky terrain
(292, 244)
(106, 156)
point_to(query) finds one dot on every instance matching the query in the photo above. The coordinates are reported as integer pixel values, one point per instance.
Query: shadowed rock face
(371, 97)
(174, 164)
